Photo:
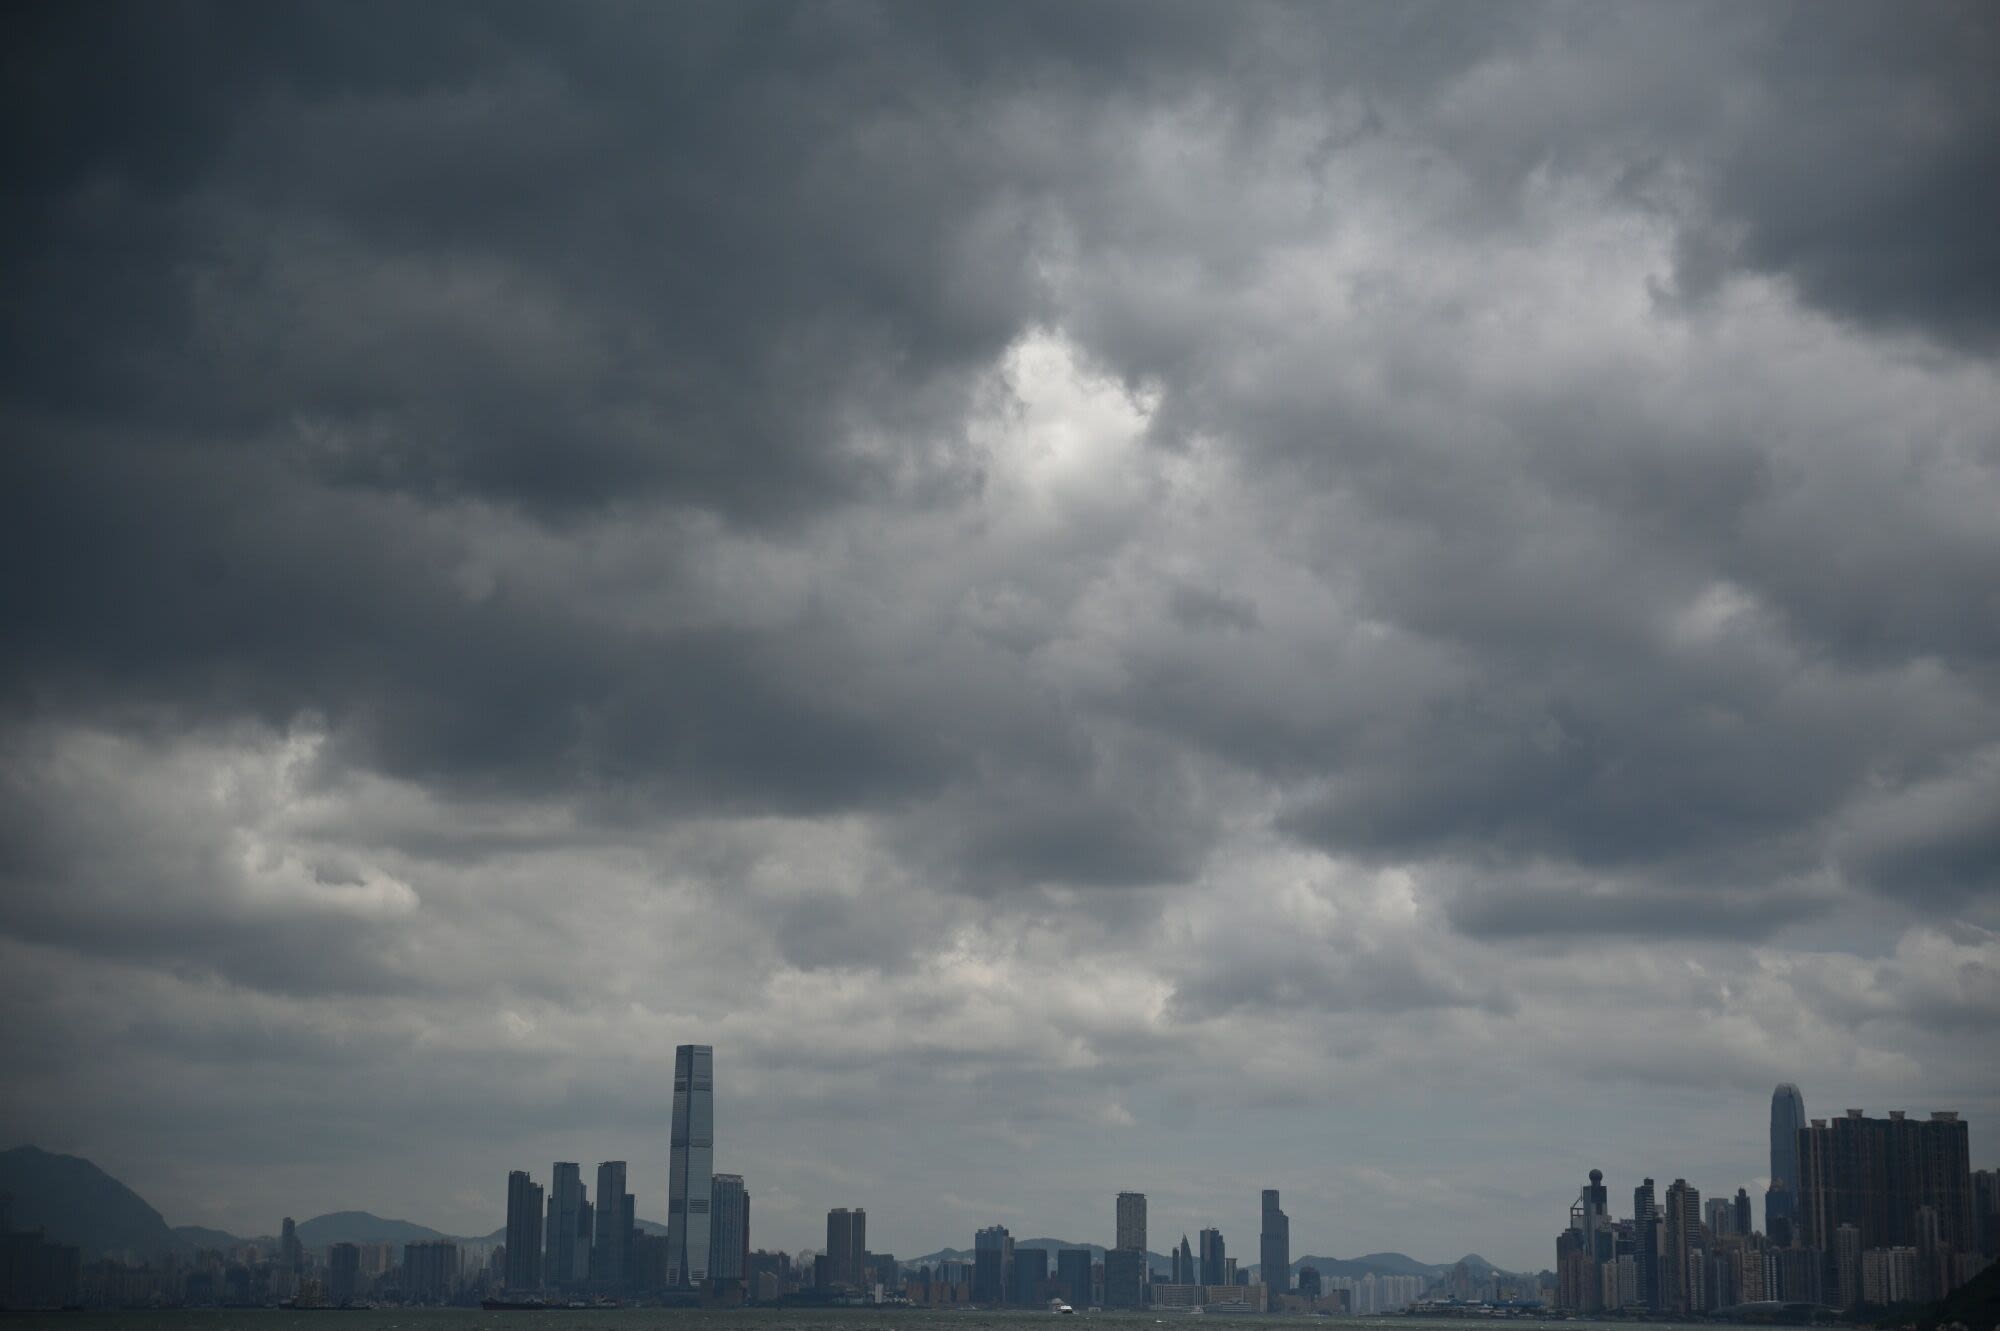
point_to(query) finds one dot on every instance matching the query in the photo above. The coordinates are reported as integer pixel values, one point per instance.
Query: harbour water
(751, 1319)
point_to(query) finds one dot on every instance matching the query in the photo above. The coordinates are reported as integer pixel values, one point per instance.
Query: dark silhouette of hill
(362, 1227)
(201, 1236)
(73, 1201)
(1975, 1303)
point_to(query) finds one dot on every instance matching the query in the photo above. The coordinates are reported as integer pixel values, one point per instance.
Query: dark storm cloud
(1559, 910)
(1866, 167)
(1006, 552)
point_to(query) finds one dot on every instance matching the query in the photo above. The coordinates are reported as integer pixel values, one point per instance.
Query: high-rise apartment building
(691, 1170)
(524, 1233)
(1646, 1246)
(611, 1240)
(1740, 1217)
(1681, 1249)
(565, 1251)
(1875, 1173)
(430, 1271)
(728, 1228)
(1274, 1245)
(1788, 1116)
(1132, 1221)
(1986, 1210)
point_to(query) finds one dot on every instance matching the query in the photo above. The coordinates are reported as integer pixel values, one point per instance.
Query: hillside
(1976, 1303)
(73, 1201)
(361, 1227)
(1159, 1260)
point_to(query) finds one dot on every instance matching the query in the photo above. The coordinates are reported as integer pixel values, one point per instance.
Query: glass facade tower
(691, 1171)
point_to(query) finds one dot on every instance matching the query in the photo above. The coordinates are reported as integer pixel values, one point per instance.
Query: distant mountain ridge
(362, 1227)
(73, 1201)
(1374, 1263)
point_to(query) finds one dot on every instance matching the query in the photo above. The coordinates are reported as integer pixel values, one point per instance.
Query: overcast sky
(1393, 602)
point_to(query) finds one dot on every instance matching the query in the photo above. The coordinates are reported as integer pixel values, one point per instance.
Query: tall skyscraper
(690, 1174)
(1185, 1270)
(1788, 1115)
(291, 1253)
(728, 1228)
(611, 1243)
(1212, 1257)
(524, 1233)
(1680, 1280)
(1031, 1269)
(1132, 1221)
(992, 1265)
(1740, 1213)
(846, 1244)
(1646, 1246)
(561, 1258)
(343, 1273)
(1274, 1245)
(1073, 1274)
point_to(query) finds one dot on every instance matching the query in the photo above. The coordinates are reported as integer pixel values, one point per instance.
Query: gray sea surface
(745, 1319)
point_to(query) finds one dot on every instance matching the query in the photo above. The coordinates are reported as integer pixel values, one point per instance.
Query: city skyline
(1389, 602)
(1680, 1206)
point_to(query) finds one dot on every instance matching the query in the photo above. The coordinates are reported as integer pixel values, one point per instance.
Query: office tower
(1646, 1245)
(1585, 1248)
(728, 1228)
(1274, 1245)
(1720, 1217)
(693, 1162)
(1132, 1221)
(343, 1273)
(1073, 1274)
(1788, 1116)
(291, 1253)
(1212, 1257)
(524, 1233)
(565, 1217)
(1309, 1284)
(1031, 1268)
(846, 1244)
(1874, 1174)
(1680, 1281)
(1124, 1278)
(1740, 1214)
(992, 1264)
(611, 1239)
(430, 1271)
(1590, 1216)
(1185, 1271)
(1780, 1206)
